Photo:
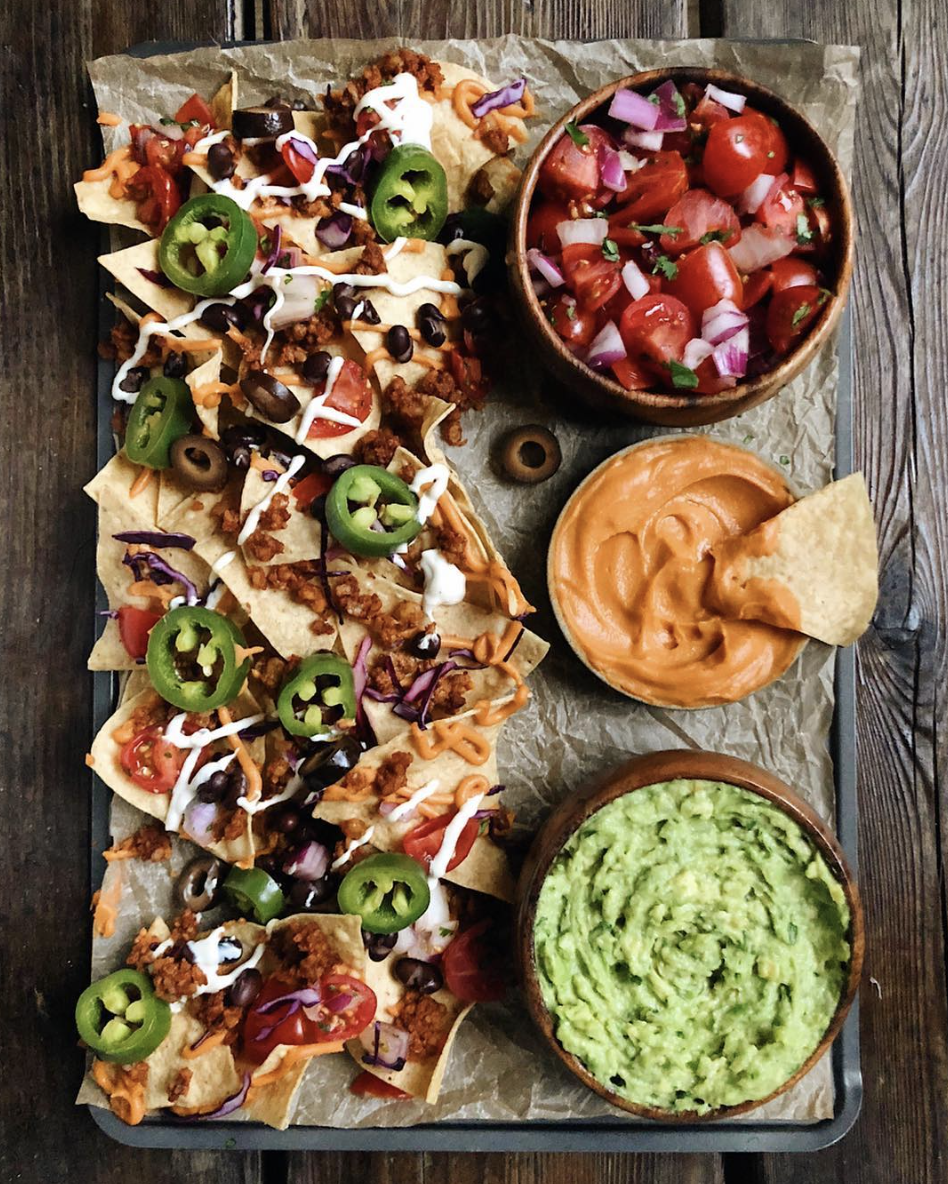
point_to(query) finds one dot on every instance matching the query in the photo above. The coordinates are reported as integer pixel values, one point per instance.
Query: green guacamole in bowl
(691, 946)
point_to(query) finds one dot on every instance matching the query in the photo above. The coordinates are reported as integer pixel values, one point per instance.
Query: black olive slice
(199, 885)
(262, 123)
(530, 454)
(199, 462)
(269, 396)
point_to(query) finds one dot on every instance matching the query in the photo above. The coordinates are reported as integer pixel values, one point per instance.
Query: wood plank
(434, 19)
(48, 448)
(899, 303)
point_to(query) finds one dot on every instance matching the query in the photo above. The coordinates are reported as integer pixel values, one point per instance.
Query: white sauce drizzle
(216, 594)
(206, 956)
(293, 786)
(416, 799)
(144, 337)
(409, 120)
(253, 517)
(394, 248)
(174, 731)
(317, 409)
(354, 211)
(452, 832)
(354, 845)
(429, 485)
(475, 256)
(222, 561)
(444, 583)
(185, 789)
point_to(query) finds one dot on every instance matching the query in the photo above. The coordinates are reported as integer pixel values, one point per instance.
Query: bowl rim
(665, 437)
(746, 393)
(638, 773)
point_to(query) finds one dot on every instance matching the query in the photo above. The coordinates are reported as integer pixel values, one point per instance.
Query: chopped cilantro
(679, 104)
(610, 251)
(653, 98)
(265, 244)
(571, 311)
(747, 439)
(682, 377)
(825, 295)
(770, 154)
(601, 214)
(715, 236)
(167, 121)
(580, 139)
(784, 460)
(792, 933)
(802, 311)
(666, 267)
(815, 202)
(655, 228)
(804, 233)
(288, 279)
(321, 300)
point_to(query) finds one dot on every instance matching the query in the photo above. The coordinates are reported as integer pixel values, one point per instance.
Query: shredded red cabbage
(334, 232)
(160, 572)
(270, 475)
(233, 1103)
(155, 277)
(276, 239)
(111, 613)
(360, 675)
(416, 701)
(157, 538)
(495, 99)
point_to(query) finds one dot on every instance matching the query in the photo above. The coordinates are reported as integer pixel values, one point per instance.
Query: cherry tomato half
(736, 153)
(575, 324)
(590, 275)
(152, 762)
(571, 171)
(350, 394)
(544, 218)
(194, 109)
(262, 1032)
(472, 970)
(793, 272)
(790, 314)
(654, 188)
(781, 207)
(157, 195)
(705, 276)
(300, 166)
(633, 376)
(657, 327)
(346, 1007)
(310, 488)
(367, 1085)
(697, 214)
(776, 152)
(424, 842)
(134, 626)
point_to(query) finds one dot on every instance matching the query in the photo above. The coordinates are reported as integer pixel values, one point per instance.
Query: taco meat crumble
(306, 953)
(150, 843)
(181, 1084)
(426, 1022)
(216, 1014)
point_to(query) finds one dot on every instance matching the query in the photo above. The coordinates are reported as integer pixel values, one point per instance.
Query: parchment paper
(574, 727)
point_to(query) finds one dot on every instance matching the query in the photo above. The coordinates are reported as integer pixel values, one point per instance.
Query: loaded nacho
(319, 641)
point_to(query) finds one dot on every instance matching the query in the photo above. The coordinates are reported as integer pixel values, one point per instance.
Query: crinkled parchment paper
(574, 727)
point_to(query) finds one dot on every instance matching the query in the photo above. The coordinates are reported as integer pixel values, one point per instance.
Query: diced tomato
(790, 314)
(472, 970)
(657, 327)
(776, 151)
(350, 394)
(709, 112)
(367, 1085)
(152, 762)
(736, 153)
(571, 171)
(803, 178)
(468, 373)
(590, 275)
(709, 381)
(756, 287)
(424, 842)
(654, 188)
(705, 276)
(134, 626)
(310, 488)
(348, 1005)
(633, 376)
(157, 195)
(621, 230)
(781, 207)
(165, 153)
(263, 1029)
(793, 272)
(299, 165)
(575, 324)
(819, 225)
(699, 214)
(195, 109)
(544, 218)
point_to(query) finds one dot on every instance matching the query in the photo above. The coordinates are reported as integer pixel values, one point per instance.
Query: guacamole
(691, 945)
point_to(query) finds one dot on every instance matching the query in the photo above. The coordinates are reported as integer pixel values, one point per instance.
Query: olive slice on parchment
(530, 454)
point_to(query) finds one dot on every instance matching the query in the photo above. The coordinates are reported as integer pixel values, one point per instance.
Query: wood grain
(47, 352)
(899, 304)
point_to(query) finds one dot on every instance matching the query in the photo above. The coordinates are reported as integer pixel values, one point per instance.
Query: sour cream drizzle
(293, 786)
(452, 833)
(475, 256)
(206, 956)
(416, 799)
(444, 582)
(185, 789)
(174, 731)
(281, 483)
(353, 846)
(429, 485)
(317, 409)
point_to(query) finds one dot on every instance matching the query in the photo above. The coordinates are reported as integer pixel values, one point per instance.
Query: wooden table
(47, 343)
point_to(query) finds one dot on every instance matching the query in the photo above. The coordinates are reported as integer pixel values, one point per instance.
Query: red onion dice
(726, 98)
(607, 347)
(629, 106)
(546, 267)
(309, 862)
(385, 1045)
(582, 230)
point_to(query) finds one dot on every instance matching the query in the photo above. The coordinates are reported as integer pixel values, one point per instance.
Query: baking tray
(608, 1134)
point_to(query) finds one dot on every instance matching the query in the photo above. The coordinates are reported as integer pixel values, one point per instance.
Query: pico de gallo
(678, 242)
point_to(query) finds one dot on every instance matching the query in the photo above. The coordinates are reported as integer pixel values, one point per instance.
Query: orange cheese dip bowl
(630, 572)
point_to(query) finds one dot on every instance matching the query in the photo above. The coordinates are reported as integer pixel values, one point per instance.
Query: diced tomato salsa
(688, 255)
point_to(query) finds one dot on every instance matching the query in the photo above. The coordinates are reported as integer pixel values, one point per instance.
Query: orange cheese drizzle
(209, 394)
(194, 159)
(489, 649)
(141, 481)
(110, 165)
(501, 583)
(244, 759)
(292, 1055)
(454, 735)
(108, 119)
(127, 1098)
(376, 355)
(216, 1038)
(106, 905)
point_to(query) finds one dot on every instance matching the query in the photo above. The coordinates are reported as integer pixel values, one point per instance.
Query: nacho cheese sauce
(631, 566)
(691, 946)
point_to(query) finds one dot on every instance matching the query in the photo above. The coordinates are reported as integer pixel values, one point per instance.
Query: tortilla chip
(127, 266)
(301, 535)
(106, 752)
(421, 1079)
(813, 568)
(214, 1077)
(209, 371)
(224, 102)
(98, 205)
(504, 177)
(453, 142)
(110, 486)
(485, 869)
(109, 653)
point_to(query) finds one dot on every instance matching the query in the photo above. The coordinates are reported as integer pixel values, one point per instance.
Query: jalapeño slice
(254, 893)
(322, 681)
(192, 659)
(388, 891)
(120, 1017)
(208, 246)
(410, 197)
(365, 498)
(162, 413)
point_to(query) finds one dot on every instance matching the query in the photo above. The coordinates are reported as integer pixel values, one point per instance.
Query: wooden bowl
(555, 599)
(637, 773)
(684, 408)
